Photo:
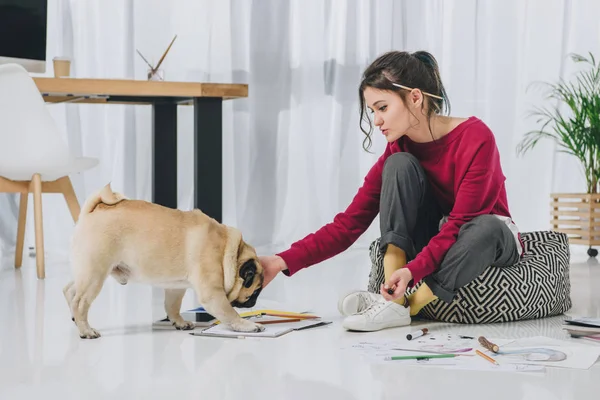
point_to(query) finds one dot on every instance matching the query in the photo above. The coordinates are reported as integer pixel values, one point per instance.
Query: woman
(439, 189)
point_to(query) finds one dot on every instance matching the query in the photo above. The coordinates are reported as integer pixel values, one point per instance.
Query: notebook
(271, 330)
(583, 328)
(585, 322)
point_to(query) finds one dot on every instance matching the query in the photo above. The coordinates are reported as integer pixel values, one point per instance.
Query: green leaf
(573, 122)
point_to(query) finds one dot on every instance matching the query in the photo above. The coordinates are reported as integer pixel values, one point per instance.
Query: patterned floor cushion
(538, 286)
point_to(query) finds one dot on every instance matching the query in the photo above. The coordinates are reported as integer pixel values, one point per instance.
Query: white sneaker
(381, 315)
(357, 301)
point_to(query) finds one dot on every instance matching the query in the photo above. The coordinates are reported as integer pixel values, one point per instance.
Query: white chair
(33, 156)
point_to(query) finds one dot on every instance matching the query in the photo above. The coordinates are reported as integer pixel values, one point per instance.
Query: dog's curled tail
(104, 195)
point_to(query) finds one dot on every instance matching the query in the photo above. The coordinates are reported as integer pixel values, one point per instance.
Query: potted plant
(573, 122)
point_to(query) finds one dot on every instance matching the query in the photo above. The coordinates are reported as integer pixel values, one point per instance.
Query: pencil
(490, 359)
(165, 54)
(272, 321)
(278, 321)
(296, 316)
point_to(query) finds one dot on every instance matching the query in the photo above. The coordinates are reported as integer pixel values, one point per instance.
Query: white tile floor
(41, 355)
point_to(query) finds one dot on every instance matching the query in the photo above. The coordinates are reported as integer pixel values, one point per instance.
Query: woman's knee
(399, 163)
(482, 226)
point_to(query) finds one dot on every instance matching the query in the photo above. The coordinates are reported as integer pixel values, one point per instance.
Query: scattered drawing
(443, 344)
(537, 354)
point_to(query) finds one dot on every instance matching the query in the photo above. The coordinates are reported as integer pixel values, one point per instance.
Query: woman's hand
(272, 265)
(398, 283)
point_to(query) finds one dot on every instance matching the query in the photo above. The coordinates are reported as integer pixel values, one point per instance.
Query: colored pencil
(276, 321)
(490, 359)
(420, 357)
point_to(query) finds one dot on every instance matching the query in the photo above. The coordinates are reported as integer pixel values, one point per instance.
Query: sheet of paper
(526, 354)
(376, 355)
(438, 343)
(548, 352)
(501, 368)
(447, 343)
(428, 344)
(274, 330)
(271, 330)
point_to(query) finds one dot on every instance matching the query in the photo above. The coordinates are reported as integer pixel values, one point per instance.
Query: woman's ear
(416, 97)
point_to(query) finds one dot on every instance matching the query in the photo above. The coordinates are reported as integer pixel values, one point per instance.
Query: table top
(129, 91)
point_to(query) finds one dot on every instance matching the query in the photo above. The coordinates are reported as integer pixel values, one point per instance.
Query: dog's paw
(184, 325)
(89, 334)
(247, 326)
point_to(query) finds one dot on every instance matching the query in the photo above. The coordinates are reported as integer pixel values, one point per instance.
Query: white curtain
(292, 149)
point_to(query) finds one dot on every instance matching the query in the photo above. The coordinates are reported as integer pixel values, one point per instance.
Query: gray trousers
(410, 217)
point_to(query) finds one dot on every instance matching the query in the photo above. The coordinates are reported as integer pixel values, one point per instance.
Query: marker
(390, 290)
(417, 334)
(493, 347)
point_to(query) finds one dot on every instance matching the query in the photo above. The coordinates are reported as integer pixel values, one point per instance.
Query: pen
(314, 326)
(216, 335)
(420, 357)
(417, 334)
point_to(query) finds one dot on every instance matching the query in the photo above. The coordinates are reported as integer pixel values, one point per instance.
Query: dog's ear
(247, 272)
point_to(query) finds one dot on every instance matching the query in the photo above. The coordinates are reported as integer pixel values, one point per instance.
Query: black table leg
(208, 156)
(164, 154)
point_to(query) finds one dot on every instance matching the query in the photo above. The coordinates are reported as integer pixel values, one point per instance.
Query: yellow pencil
(490, 359)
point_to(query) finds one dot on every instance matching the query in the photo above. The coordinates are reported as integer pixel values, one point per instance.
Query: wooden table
(164, 97)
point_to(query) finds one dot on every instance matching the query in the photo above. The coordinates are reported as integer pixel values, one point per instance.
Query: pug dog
(139, 241)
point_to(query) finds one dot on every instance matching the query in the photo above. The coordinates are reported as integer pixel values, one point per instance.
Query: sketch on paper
(523, 354)
(447, 343)
(534, 354)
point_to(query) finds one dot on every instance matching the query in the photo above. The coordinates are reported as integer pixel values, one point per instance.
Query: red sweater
(464, 171)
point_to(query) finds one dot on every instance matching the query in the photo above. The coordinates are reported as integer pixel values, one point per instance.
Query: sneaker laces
(374, 309)
(365, 301)
(376, 305)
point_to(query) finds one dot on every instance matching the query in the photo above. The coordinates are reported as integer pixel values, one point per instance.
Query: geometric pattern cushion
(538, 286)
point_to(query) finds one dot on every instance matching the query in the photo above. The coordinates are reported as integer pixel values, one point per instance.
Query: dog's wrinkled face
(250, 275)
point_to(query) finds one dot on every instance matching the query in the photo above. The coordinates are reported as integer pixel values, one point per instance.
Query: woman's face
(390, 115)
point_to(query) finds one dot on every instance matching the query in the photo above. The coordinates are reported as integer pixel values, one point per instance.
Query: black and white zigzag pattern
(538, 286)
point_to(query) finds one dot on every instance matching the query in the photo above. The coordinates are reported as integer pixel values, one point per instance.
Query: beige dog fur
(138, 241)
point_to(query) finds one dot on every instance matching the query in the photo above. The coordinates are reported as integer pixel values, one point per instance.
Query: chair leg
(70, 198)
(21, 229)
(36, 184)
